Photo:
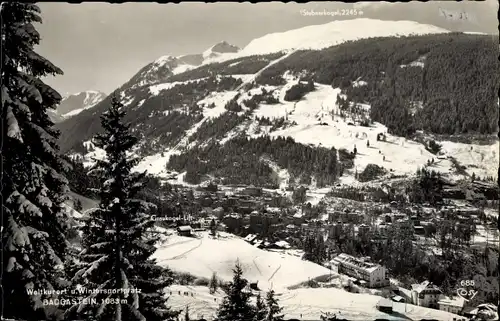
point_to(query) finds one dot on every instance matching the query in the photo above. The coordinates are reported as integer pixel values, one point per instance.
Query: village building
(363, 230)
(373, 275)
(385, 305)
(184, 230)
(454, 305)
(426, 294)
(335, 230)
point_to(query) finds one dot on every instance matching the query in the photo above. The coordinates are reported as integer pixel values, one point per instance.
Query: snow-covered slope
(153, 96)
(205, 255)
(330, 34)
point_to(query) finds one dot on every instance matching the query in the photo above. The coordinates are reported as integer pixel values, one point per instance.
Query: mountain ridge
(216, 103)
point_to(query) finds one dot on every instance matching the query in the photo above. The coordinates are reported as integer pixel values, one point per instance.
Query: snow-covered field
(205, 255)
(306, 304)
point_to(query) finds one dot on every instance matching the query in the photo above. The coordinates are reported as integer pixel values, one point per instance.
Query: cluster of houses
(427, 294)
(256, 213)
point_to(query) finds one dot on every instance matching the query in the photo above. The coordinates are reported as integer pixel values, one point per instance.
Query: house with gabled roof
(426, 294)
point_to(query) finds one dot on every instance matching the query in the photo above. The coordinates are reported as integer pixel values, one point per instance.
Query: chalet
(281, 245)
(455, 305)
(298, 219)
(250, 238)
(426, 294)
(373, 274)
(184, 230)
(397, 298)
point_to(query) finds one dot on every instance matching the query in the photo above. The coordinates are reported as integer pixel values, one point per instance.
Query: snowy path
(256, 266)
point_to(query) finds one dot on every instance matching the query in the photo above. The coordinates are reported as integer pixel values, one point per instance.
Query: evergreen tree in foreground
(117, 241)
(273, 308)
(236, 305)
(260, 309)
(33, 189)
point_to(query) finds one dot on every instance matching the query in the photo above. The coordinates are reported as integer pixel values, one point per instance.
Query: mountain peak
(73, 104)
(220, 48)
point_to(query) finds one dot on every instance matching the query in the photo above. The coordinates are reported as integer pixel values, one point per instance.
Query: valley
(338, 171)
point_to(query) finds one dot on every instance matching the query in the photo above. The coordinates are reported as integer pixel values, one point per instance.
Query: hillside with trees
(242, 160)
(445, 84)
(162, 118)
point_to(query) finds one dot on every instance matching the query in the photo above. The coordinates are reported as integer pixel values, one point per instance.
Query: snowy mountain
(166, 66)
(330, 34)
(326, 86)
(219, 49)
(73, 104)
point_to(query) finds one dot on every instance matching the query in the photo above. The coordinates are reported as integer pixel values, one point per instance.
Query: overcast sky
(99, 46)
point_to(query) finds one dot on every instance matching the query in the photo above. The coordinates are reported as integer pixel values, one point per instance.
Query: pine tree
(117, 241)
(236, 304)
(273, 308)
(260, 309)
(213, 285)
(78, 205)
(33, 187)
(213, 227)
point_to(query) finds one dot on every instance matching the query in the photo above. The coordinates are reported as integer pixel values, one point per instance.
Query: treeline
(216, 128)
(274, 123)
(240, 161)
(456, 80)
